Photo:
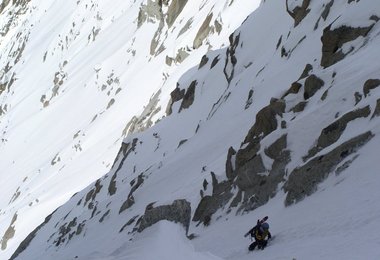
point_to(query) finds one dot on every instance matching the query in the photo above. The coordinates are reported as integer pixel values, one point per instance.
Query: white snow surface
(49, 153)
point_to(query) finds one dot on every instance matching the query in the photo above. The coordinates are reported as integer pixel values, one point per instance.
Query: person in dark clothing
(261, 234)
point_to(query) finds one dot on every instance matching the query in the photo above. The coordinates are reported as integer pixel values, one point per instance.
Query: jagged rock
(168, 60)
(345, 165)
(182, 54)
(203, 62)
(175, 8)
(186, 27)
(3, 5)
(179, 211)
(176, 95)
(3, 87)
(326, 11)
(140, 181)
(229, 165)
(249, 101)
(130, 222)
(80, 228)
(235, 202)
(214, 62)
(312, 85)
(266, 121)
(110, 103)
(294, 89)
(306, 71)
(150, 12)
(144, 120)
(127, 204)
(324, 95)
(205, 183)
(181, 142)
(303, 181)
(231, 60)
(125, 150)
(333, 40)
(369, 85)
(284, 53)
(203, 32)
(218, 26)
(208, 205)
(279, 42)
(259, 184)
(299, 107)
(299, 12)
(332, 133)
(104, 216)
(358, 97)
(248, 174)
(64, 231)
(9, 233)
(377, 109)
(91, 195)
(15, 195)
(188, 98)
(281, 156)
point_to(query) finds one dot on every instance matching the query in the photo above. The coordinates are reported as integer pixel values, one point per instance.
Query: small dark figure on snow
(260, 233)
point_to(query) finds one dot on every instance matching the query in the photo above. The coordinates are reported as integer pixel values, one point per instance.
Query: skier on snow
(260, 232)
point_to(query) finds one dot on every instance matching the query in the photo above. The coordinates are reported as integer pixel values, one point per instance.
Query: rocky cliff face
(273, 113)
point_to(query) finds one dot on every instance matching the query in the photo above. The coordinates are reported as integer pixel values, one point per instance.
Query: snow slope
(329, 122)
(74, 76)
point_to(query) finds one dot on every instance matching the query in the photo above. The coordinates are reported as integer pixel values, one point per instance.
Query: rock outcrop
(299, 12)
(210, 204)
(332, 132)
(303, 181)
(179, 211)
(203, 32)
(312, 85)
(189, 96)
(369, 85)
(333, 40)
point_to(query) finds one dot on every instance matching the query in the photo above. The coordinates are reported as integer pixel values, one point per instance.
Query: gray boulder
(312, 85)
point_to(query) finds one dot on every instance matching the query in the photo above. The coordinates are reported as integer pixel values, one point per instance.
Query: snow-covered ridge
(285, 111)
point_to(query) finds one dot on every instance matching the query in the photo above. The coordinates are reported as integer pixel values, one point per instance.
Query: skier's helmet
(265, 226)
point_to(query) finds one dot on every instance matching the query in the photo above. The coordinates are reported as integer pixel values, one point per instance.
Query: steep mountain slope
(287, 113)
(76, 78)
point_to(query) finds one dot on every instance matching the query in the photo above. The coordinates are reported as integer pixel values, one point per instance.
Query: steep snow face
(285, 113)
(77, 77)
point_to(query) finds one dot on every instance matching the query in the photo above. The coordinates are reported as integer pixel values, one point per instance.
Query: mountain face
(120, 118)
